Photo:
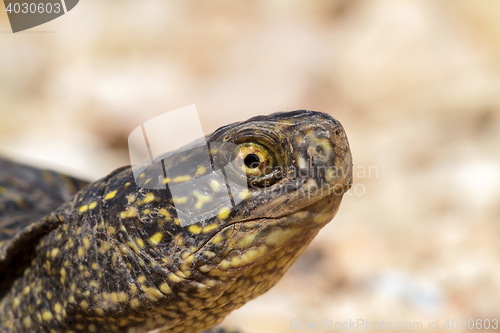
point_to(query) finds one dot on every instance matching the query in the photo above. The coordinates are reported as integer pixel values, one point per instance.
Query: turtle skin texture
(117, 255)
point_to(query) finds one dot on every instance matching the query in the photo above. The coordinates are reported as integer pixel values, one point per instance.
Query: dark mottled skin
(114, 258)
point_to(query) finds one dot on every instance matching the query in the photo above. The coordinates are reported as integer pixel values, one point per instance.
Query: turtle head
(219, 222)
(297, 166)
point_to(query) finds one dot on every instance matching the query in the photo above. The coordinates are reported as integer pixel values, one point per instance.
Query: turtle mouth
(319, 201)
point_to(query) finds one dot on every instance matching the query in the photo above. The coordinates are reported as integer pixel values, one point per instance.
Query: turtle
(153, 246)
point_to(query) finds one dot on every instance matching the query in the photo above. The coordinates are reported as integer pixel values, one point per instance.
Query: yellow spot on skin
(127, 184)
(134, 247)
(124, 249)
(322, 218)
(165, 212)
(179, 240)
(277, 237)
(215, 185)
(283, 260)
(201, 170)
(208, 254)
(15, 302)
(181, 179)
(250, 256)
(140, 243)
(133, 289)
(174, 278)
(93, 205)
(244, 194)
(156, 238)
(114, 298)
(47, 316)
(71, 299)
(149, 197)
(92, 328)
(152, 293)
(147, 211)
(134, 303)
(209, 228)
(164, 288)
(122, 297)
(210, 283)
(49, 295)
(224, 213)
(217, 239)
(190, 259)
(26, 290)
(147, 181)
(27, 322)
(180, 200)
(58, 308)
(141, 279)
(202, 199)
(236, 261)
(246, 241)
(86, 243)
(111, 230)
(181, 274)
(104, 247)
(130, 212)
(195, 229)
(270, 265)
(224, 265)
(166, 180)
(110, 195)
(84, 305)
(83, 209)
(263, 249)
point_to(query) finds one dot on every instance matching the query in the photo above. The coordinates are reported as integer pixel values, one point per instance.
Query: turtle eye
(254, 160)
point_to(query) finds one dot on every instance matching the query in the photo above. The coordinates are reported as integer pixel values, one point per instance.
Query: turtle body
(26, 195)
(117, 255)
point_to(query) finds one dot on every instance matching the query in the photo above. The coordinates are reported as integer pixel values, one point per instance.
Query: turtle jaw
(241, 246)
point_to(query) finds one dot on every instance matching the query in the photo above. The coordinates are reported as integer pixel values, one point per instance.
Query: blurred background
(416, 85)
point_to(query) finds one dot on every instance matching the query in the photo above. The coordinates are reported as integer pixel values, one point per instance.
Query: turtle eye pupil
(252, 161)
